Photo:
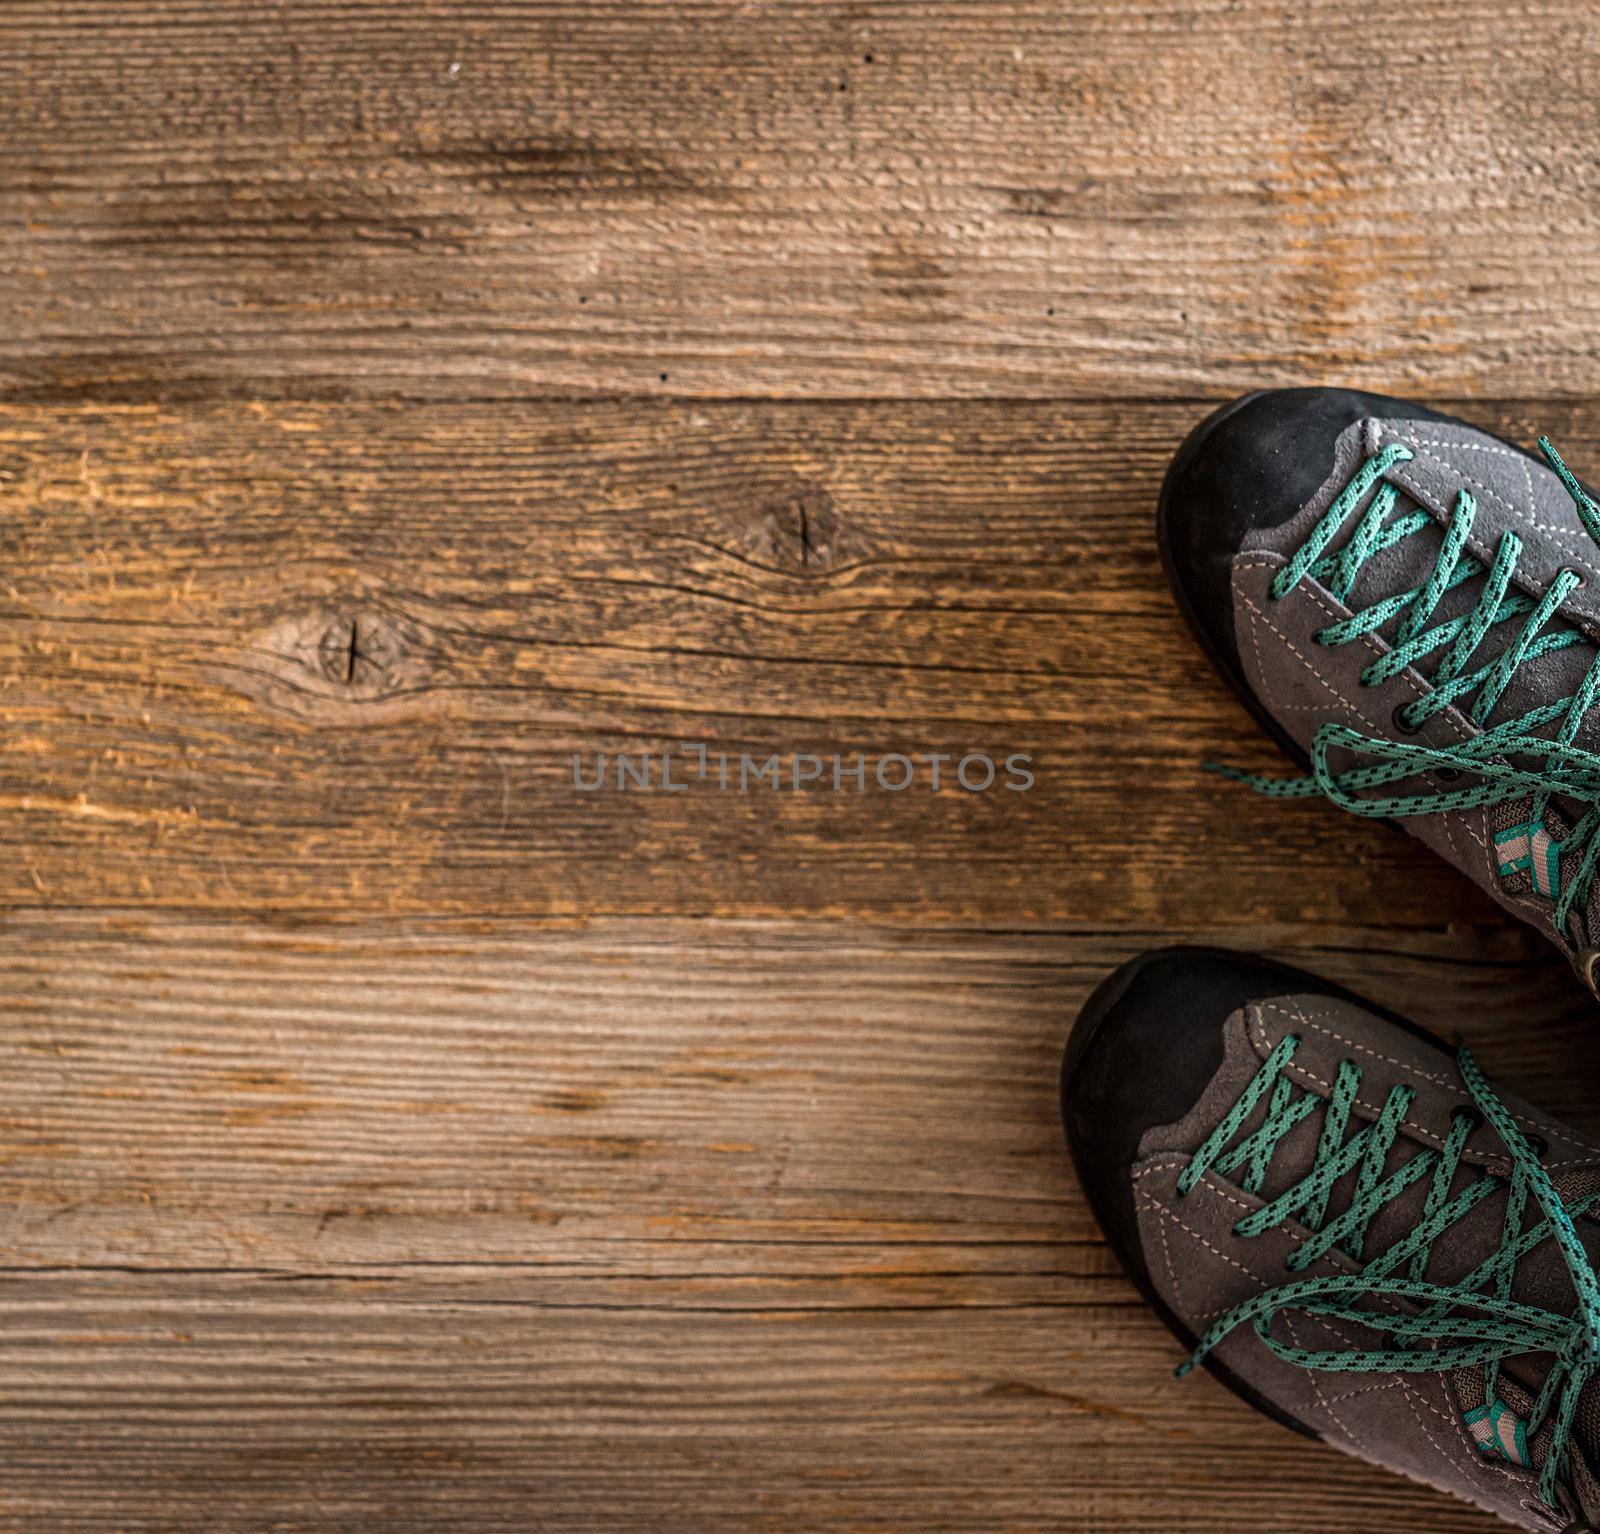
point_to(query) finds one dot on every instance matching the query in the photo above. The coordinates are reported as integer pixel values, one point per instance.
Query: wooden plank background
(589, 580)
(806, 198)
(400, 399)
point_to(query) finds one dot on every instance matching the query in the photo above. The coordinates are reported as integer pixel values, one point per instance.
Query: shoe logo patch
(1532, 850)
(1498, 1430)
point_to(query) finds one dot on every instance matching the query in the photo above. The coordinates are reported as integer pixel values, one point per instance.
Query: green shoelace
(1446, 1326)
(1507, 760)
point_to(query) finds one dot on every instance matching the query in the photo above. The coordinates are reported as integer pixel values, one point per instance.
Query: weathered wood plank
(309, 1404)
(629, 1225)
(323, 658)
(181, 1093)
(1017, 197)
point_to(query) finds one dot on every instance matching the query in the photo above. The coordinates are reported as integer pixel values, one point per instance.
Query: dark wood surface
(806, 198)
(192, 728)
(665, 1224)
(399, 400)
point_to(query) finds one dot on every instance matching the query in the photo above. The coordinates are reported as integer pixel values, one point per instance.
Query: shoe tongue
(1498, 1429)
(1539, 862)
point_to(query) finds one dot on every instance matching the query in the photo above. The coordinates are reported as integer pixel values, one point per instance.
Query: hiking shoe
(1411, 607)
(1348, 1225)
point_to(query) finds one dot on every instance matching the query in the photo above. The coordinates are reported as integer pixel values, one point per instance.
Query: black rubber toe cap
(1142, 1052)
(1251, 464)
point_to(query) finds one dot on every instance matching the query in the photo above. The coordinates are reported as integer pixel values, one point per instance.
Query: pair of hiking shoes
(1333, 1209)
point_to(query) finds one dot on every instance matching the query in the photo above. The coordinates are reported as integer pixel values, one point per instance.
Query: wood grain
(398, 401)
(654, 1225)
(810, 198)
(186, 722)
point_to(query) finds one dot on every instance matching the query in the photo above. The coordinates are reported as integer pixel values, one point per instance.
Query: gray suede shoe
(1412, 608)
(1348, 1225)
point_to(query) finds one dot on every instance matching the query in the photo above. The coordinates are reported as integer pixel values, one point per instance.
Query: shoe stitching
(1323, 1404)
(1219, 1189)
(1328, 1402)
(1332, 608)
(1337, 1258)
(1418, 1402)
(1273, 563)
(1561, 537)
(1148, 1200)
(1298, 1016)
(1307, 1076)
(1216, 1251)
(1316, 676)
(1414, 1400)
(1350, 1433)
(1166, 1163)
(1462, 822)
(1365, 1390)
(1375, 646)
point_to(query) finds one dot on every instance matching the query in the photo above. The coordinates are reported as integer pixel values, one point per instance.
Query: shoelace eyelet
(1401, 723)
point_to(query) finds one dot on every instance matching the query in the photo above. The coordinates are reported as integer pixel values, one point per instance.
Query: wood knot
(338, 663)
(797, 528)
(359, 651)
